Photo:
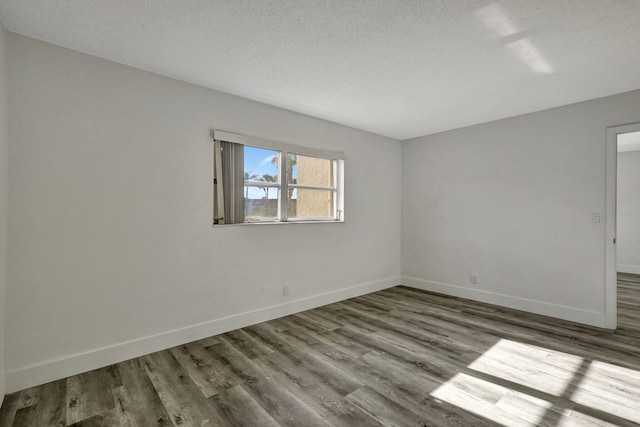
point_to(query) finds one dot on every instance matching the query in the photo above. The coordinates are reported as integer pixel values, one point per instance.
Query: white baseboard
(592, 318)
(633, 269)
(42, 373)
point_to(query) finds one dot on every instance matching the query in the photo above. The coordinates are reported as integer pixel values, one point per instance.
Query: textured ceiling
(397, 68)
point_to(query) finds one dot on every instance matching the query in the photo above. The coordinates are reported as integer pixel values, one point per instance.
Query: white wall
(111, 198)
(628, 212)
(512, 200)
(4, 177)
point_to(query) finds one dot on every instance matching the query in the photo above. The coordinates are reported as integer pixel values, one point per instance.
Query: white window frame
(283, 149)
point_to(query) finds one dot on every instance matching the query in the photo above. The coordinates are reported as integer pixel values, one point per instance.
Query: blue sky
(258, 161)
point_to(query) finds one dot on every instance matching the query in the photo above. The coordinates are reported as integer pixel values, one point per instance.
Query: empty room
(319, 213)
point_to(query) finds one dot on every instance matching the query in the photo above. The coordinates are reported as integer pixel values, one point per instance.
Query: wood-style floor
(398, 357)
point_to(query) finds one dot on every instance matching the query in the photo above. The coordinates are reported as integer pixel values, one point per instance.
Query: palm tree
(292, 160)
(268, 178)
(249, 176)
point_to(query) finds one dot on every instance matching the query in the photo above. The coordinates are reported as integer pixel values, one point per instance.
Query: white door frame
(610, 268)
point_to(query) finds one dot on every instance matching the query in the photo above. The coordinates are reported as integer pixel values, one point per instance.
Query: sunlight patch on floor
(541, 386)
(529, 365)
(612, 389)
(491, 401)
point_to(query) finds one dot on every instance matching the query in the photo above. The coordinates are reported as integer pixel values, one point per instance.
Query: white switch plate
(596, 218)
(474, 279)
(285, 289)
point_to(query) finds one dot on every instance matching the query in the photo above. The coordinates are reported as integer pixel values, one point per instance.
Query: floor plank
(137, 401)
(90, 393)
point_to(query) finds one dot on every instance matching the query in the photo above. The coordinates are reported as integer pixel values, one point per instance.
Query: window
(260, 181)
(261, 184)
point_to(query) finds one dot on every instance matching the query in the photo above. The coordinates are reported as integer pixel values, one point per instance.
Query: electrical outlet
(474, 279)
(596, 218)
(285, 289)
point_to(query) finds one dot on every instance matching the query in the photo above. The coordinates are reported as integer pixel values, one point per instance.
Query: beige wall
(317, 172)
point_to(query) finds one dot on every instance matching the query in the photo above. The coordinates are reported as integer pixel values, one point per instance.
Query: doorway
(622, 234)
